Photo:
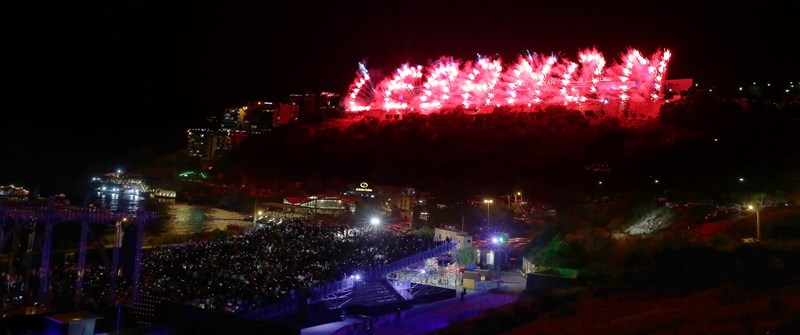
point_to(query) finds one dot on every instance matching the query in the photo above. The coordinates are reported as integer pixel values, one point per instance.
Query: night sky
(90, 87)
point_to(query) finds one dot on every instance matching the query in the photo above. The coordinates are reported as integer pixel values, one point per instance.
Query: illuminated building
(258, 117)
(313, 107)
(286, 114)
(392, 198)
(202, 143)
(233, 118)
(236, 137)
(324, 203)
(306, 103)
(461, 238)
(236, 124)
(330, 105)
(12, 191)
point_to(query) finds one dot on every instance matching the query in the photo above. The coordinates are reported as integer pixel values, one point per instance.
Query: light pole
(375, 221)
(488, 203)
(255, 218)
(758, 221)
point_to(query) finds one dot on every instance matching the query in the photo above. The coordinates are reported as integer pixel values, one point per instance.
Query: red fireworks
(531, 82)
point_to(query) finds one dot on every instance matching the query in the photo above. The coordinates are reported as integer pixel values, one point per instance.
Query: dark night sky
(88, 87)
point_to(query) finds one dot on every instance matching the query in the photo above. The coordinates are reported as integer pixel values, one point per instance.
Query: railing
(384, 270)
(321, 291)
(402, 286)
(273, 310)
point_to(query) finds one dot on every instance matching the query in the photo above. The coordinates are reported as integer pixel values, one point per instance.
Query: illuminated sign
(363, 187)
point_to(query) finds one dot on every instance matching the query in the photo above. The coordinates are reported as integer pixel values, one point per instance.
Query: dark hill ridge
(544, 151)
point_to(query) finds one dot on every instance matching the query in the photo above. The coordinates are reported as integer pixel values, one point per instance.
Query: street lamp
(488, 203)
(758, 221)
(375, 221)
(256, 217)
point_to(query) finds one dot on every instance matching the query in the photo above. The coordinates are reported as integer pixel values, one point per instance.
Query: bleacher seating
(375, 298)
(427, 293)
(374, 293)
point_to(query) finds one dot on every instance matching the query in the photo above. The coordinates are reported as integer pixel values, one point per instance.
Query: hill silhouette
(698, 147)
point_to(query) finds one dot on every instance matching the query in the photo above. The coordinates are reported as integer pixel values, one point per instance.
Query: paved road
(447, 313)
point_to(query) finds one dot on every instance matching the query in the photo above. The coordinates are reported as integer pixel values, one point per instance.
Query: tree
(559, 252)
(466, 255)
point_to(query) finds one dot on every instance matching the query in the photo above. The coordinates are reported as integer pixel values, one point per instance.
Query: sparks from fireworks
(359, 95)
(533, 80)
(400, 92)
(438, 89)
(592, 71)
(479, 82)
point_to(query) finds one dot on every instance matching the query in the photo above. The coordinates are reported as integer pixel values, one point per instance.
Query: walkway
(445, 313)
(329, 328)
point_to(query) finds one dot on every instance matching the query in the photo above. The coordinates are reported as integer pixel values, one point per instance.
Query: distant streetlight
(488, 203)
(758, 221)
(256, 217)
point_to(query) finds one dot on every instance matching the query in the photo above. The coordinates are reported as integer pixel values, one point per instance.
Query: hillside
(701, 153)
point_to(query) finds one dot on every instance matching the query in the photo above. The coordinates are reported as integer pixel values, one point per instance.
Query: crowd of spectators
(266, 265)
(21, 291)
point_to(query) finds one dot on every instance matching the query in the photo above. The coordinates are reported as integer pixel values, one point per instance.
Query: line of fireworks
(533, 79)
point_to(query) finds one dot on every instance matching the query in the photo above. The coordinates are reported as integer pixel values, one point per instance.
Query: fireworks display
(530, 83)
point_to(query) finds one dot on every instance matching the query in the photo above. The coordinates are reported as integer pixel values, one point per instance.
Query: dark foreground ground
(731, 308)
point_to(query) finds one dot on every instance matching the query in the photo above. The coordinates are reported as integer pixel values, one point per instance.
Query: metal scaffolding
(16, 215)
